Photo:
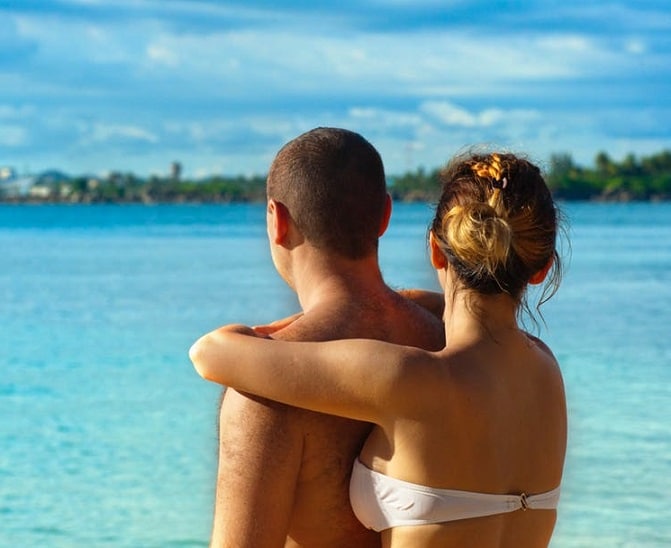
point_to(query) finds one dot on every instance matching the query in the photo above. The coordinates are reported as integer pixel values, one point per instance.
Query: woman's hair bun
(497, 224)
(478, 237)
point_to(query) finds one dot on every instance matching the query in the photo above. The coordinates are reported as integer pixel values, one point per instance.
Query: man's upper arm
(260, 452)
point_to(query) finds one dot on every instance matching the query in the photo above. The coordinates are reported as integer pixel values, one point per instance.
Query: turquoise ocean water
(108, 438)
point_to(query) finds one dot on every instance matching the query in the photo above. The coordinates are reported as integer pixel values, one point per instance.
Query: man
(283, 476)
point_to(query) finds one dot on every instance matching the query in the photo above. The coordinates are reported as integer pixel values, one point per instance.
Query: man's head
(332, 183)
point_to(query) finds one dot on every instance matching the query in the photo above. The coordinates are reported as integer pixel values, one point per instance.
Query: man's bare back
(292, 466)
(283, 472)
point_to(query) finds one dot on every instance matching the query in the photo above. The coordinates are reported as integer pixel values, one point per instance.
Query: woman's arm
(355, 378)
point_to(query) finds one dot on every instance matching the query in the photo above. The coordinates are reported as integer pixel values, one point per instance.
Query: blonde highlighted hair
(497, 224)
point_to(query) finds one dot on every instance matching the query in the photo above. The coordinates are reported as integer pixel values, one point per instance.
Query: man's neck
(319, 278)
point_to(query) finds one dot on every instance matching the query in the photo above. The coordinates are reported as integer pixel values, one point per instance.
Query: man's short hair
(332, 182)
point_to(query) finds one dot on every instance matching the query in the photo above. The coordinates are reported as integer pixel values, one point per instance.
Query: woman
(469, 438)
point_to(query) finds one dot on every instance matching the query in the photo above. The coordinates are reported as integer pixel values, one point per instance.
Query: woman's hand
(277, 325)
(240, 329)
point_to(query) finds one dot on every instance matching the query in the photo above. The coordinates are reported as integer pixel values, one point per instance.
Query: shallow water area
(109, 438)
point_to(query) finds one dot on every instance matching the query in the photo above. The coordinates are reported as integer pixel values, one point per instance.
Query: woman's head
(496, 224)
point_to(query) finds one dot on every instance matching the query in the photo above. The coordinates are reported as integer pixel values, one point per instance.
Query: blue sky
(89, 86)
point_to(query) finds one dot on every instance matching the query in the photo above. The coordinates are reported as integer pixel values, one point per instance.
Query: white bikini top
(381, 502)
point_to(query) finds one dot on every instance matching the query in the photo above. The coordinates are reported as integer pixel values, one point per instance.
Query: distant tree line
(647, 178)
(128, 188)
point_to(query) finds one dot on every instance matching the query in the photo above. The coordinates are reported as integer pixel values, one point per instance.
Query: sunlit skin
(485, 414)
(461, 418)
(283, 472)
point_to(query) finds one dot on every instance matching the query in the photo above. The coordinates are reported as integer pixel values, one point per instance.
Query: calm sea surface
(108, 438)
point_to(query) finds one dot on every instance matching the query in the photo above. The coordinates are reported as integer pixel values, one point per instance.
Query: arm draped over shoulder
(354, 378)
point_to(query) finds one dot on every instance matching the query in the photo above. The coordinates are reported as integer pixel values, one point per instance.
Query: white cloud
(65, 42)
(635, 46)
(450, 115)
(384, 118)
(13, 135)
(180, 8)
(162, 55)
(16, 112)
(255, 62)
(101, 133)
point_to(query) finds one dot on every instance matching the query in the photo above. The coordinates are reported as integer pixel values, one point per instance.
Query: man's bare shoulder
(420, 326)
(390, 317)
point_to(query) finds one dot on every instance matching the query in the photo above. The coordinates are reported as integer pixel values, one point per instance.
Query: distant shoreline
(150, 203)
(646, 179)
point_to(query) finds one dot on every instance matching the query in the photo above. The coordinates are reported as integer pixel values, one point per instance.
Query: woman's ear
(539, 276)
(438, 259)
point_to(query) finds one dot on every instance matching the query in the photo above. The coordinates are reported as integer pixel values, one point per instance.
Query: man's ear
(386, 216)
(438, 259)
(278, 221)
(539, 276)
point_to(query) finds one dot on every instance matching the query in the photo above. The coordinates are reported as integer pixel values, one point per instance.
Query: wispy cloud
(12, 135)
(104, 133)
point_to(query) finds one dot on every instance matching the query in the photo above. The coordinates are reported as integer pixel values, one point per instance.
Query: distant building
(39, 191)
(15, 187)
(7, 173)
(65, 190)
(175, 171)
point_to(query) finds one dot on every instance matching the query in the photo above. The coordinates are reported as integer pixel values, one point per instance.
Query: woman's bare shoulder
(538, 343)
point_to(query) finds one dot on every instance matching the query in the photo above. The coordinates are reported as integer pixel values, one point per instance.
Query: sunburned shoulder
(311, 327)
(430, 331)
(408, 323)
(348, 320)
(391, 319)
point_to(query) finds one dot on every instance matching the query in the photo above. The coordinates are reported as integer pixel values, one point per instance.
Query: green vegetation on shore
(644, 179)
(647, 178)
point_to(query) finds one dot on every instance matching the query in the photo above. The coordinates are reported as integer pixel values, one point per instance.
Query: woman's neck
(471, 316)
